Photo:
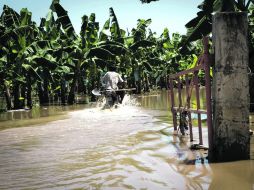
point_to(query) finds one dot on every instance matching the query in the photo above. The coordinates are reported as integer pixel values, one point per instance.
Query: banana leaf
(115, 49)
(32, 71)
(25, 17)
(10, 17)
(48, 62)
(148, 66)
(65, 20)
(114, 28)
(142, 43)
(103, 35)
(63, 69)
(101, 63)
(100, 53)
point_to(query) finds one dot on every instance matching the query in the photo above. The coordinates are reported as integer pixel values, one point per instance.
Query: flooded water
(131, 147)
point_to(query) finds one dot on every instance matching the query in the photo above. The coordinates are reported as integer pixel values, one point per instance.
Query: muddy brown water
(131, 147)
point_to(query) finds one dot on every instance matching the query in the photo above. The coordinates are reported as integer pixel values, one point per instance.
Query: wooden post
(230, 88)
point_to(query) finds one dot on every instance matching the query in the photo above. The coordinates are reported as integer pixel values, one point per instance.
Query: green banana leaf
(65, 21)
(142, 43)
(100, 53)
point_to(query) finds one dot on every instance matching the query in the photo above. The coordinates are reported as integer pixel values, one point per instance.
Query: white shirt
(110, 80)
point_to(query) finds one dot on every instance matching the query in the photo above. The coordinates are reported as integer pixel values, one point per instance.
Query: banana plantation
(49, 61)
(192, 102)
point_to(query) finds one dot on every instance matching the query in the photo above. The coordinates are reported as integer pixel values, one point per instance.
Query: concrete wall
(230, 89)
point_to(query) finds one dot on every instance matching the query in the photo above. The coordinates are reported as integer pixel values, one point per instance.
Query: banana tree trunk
(166, 82)
(57, 92)
(16, 85)
(23, 95)
(63, 92)
(137, 80)
(147, 85)
(76, 79)
(93, 97)
(45, 91)
(93, 84)
(29, 92)
(81, 87)
(7, 96)
(16, 94)
(40, 93)
(71, 97)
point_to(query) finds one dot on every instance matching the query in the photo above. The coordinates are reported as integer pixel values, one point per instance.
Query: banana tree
(20, 33)
(41, 57)
(202, 24)
(5, 79)
(108, 49)
(141, 47)
(73, 47)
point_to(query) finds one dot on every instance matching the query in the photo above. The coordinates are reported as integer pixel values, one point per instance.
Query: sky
(173, 14)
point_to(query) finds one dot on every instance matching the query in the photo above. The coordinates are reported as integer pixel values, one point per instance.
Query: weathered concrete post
(230, 88)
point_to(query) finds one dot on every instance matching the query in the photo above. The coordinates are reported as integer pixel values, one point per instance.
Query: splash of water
(128, 100)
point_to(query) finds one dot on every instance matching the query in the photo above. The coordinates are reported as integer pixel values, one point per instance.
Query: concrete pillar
(230, 91)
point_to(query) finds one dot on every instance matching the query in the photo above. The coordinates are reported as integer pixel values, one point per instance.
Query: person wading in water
(111, 82)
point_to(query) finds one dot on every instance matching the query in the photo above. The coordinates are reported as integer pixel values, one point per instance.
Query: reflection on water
(21, 118)
(125, 148)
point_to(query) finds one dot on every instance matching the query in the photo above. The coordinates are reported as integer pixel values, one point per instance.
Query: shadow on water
(132, 147)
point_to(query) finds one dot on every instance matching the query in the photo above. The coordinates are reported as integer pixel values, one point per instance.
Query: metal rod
(173, 104)
(198, 107)
(197, 68)
(179, 92)
(188, 97)
(208, 93)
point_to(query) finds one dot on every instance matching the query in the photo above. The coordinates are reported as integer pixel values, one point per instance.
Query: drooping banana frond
(100, 53)
(114, 28)
(89, 31)
(202, 24)
(10, 17)
(65, 21)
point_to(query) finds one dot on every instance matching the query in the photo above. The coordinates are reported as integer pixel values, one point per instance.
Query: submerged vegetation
(51, 61)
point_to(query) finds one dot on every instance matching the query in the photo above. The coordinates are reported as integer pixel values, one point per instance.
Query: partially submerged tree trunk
(29, 92)
(46, 92)
(16, 95)
(40, 93)
(7, 96)
(23, 96)
(147, 84)
(63, 92)
(71, 97)
(137, 79)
